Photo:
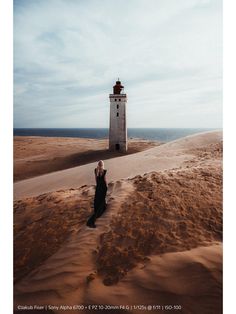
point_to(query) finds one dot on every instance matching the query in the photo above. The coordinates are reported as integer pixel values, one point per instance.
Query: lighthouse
(118, 127)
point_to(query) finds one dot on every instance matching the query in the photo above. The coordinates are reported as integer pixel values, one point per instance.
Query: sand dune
(166, 156)
(159, 242)
(190, 280)
(35, 155)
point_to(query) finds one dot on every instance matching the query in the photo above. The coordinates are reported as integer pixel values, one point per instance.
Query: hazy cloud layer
(68, 54)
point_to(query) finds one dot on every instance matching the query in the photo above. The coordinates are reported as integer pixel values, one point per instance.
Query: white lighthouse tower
(118, 128)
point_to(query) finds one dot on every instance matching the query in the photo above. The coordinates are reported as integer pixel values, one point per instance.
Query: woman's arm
(95, 175)
(105, 179)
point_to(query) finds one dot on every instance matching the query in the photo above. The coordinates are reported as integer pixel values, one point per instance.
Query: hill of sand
(159, 242)
(166, 156)
(36, 155)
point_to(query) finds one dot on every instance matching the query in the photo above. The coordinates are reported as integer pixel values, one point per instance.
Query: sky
(69, 53)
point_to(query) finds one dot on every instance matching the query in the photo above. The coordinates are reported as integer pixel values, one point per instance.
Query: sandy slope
(190, 279)
(167, 156)
(63, 278)
(158, 243)
(35, 155)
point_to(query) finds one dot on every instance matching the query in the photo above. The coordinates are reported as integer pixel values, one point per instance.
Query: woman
(100, 194)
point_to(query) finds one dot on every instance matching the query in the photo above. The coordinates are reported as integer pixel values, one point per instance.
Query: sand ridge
(166, 213)
(35, 155)
(166, 156)
(68, 272)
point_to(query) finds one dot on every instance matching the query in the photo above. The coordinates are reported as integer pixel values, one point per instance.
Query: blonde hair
(100, 167)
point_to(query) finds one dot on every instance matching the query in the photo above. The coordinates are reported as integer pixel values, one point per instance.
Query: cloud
(67, 55)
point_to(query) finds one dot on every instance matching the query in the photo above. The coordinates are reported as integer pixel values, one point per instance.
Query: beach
(158, 244)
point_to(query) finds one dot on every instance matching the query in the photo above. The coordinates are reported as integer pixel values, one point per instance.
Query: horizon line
(108, 128)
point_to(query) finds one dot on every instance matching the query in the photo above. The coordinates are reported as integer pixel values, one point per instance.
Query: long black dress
(99, 199)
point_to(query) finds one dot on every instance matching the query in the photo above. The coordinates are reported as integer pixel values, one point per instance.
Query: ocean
(158, 134)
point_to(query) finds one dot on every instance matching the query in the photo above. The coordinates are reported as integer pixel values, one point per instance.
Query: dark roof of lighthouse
(118, 87)
(118, 82)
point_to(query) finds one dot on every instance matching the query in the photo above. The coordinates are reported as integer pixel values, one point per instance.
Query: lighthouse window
(117, 106)
(119, 99)
(115, 99)
(117, 114)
